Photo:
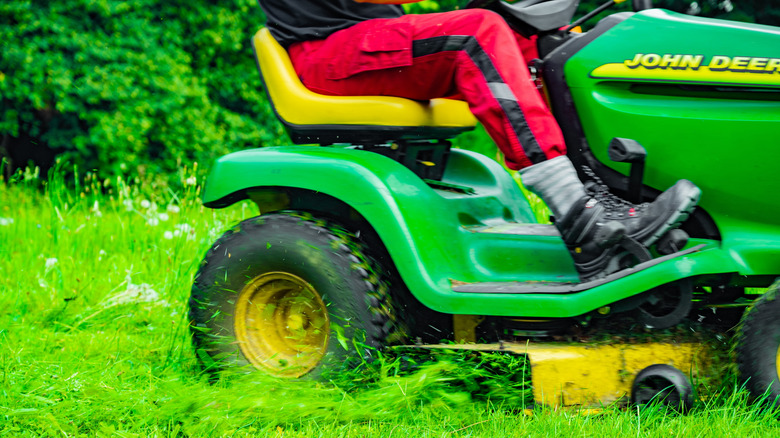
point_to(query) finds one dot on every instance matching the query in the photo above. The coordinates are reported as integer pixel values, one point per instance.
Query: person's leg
(470, 53)
(645, 222)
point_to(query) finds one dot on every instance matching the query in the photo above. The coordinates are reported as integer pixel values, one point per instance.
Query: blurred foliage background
(144, 87)
(129, 87)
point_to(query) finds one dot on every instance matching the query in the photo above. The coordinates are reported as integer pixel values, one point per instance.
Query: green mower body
(704, 101)
(475, 226)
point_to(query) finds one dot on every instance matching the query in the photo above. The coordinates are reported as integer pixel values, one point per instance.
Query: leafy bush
(111, 84)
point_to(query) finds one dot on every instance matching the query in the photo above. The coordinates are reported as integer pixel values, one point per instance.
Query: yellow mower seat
(315, 118)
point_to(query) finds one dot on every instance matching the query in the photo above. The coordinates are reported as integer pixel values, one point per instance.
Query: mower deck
(595, 375)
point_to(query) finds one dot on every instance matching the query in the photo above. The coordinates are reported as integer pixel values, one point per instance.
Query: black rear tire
(758, 346)
(290, 295)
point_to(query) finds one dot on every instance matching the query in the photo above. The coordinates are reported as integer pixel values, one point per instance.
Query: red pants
(469, 54)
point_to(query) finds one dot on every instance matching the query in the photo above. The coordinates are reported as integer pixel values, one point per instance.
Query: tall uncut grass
(94, 280)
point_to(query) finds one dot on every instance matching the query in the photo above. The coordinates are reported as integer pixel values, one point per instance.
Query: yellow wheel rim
(777, 361)
(281, 324)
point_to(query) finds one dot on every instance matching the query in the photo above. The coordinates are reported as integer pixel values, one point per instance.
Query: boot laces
(599, 190)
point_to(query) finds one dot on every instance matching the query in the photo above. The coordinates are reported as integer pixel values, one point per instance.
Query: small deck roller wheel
(662, 385)
(288, 295)
(758, 346)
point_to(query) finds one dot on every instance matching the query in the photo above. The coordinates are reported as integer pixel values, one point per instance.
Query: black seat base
(368, 134)
(427, 159)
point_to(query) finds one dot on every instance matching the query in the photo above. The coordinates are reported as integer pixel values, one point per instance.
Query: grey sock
(556, 182)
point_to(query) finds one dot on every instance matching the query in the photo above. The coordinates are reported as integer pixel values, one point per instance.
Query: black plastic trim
(699, 224)
(366, 134)
(561, 99)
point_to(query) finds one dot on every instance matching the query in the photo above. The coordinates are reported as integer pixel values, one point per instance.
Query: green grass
(94, 342)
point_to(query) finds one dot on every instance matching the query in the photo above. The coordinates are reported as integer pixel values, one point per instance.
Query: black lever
(625, 150)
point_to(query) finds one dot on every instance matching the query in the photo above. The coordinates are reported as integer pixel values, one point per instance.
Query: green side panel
(710, 115)
(429, 233)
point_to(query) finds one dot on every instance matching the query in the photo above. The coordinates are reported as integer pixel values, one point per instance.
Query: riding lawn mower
(387, 235)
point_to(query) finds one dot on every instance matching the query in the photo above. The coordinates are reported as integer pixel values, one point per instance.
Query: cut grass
(94, 341)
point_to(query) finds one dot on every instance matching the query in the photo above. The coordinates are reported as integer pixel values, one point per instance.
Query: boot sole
(691, 199)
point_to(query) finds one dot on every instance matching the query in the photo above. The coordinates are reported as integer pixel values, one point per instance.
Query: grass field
(94, 341)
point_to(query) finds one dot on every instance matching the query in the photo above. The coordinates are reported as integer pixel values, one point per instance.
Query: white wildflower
(153, 221)
(693, 9)
(51, 262)
(727, 6)
(145, 204)
(101, 254)
(128, 204)
(191, 181)
(143, 292)
(135, 293)
(5, 221)
(186, 230)
(168, 235)
(163, 217)
(96, 209)
(173, 208)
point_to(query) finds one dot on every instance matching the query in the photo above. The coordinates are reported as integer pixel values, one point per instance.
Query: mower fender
(418, 228)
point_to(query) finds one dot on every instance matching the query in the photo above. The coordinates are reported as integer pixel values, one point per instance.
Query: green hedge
(114, 85)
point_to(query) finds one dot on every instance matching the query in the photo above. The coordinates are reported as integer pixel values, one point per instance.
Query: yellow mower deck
(594, 375)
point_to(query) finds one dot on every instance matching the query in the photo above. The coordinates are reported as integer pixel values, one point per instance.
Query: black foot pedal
(672, 241)
(629, 253)
(636, 249)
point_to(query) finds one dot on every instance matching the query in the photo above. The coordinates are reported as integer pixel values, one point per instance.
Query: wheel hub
(777, 362)
(281, 324)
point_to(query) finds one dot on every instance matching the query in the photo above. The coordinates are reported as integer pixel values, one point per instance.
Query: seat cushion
(315, 118)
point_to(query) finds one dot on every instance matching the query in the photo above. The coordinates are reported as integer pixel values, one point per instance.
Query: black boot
(589, 237)
(648, 221)
(581, 219)
(592, 220)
